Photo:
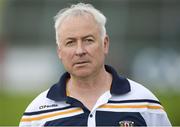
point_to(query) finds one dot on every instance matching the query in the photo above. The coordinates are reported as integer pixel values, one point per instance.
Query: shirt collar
(119, 86)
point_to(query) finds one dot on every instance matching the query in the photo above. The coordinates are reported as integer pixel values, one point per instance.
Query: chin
(82, 74)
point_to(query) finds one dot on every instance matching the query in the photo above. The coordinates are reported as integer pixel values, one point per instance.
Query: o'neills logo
(47, 106)
(126, 124)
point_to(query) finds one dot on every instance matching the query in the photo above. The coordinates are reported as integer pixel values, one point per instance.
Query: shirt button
(91, 115)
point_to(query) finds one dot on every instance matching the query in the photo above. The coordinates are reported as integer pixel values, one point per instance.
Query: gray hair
(80, 9)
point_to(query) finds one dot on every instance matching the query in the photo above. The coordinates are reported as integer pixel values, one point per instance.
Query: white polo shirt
(127, 103)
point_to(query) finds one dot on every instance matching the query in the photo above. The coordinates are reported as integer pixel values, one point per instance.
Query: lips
(81, 62)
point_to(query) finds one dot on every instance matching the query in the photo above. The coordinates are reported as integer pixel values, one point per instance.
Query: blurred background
(144, 46)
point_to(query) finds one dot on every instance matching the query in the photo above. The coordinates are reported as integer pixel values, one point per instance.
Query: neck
(100, 79)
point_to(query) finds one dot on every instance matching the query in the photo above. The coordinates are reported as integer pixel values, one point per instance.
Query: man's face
(81, 48)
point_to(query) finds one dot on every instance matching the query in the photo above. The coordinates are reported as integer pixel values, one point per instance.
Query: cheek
(98, 52)
(66, 56)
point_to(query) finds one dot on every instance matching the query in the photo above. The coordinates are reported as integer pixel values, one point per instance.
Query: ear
(59, 52)
(106, 44)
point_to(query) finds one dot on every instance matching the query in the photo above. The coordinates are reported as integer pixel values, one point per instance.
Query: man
(91, 93)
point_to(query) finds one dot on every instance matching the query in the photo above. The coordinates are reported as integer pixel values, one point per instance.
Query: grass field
(171, 103)
(12, 107)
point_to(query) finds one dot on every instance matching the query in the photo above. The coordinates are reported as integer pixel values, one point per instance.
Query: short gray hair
(80, 9)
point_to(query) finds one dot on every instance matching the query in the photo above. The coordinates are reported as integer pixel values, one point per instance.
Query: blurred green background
(145, 47)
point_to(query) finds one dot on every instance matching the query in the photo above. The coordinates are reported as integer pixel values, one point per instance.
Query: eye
(70, 43)
(89, 40)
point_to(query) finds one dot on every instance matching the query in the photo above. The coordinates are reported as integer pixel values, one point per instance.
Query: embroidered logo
(47, 106)
(126, 123)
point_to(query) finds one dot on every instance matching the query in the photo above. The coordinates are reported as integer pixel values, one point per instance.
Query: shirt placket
(103, 99)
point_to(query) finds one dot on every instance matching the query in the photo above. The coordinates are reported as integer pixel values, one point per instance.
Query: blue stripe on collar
(119, 85)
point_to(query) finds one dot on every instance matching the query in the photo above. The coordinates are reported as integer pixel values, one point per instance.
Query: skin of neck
(97, 83)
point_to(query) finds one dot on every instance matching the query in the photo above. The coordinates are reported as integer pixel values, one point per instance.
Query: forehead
(78, 25)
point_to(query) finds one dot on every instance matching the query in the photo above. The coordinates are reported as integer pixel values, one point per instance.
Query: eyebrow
(88, 36)
(73, 38)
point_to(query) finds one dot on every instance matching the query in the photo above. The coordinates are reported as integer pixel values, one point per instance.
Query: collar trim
(119, 86)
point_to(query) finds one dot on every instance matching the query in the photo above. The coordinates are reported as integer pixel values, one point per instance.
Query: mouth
(81, 63)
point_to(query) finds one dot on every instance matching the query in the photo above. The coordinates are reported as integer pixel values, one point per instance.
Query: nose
(80, 49)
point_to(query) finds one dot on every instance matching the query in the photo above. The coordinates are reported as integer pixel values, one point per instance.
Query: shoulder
(42, 103)
(41, 108)
(38, 102)
(138, 91)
